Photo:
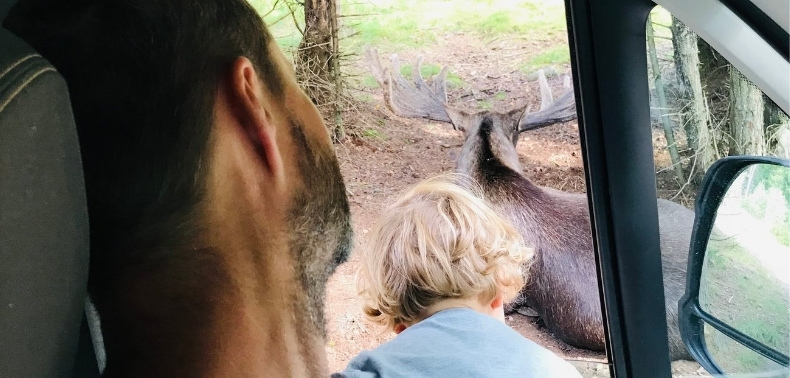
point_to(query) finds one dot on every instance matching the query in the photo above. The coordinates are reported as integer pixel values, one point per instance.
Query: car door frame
(609, 60)
(609, 63)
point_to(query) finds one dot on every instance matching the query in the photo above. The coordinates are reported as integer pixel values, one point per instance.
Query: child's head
(438, 242)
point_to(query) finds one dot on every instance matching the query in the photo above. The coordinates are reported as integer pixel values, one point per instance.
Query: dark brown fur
(562, 284)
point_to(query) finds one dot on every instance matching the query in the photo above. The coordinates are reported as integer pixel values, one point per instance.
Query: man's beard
(320, 229)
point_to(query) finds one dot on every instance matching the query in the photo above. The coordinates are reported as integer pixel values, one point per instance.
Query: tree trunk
(715, 80)
(777, 130)
(662, 103)
(746, 116)
(694, 110)
(317, 68)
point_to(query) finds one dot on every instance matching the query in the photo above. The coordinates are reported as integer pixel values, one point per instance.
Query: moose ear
(458, 118)
(517, 114)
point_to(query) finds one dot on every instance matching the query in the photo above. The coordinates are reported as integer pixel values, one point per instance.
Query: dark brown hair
(143, 76)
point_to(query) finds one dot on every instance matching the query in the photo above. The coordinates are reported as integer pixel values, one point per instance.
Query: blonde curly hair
(438, 241)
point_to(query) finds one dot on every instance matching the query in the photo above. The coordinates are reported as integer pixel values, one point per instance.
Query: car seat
(44, 237)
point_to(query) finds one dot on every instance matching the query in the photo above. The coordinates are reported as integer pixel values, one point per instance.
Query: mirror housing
(692, 317)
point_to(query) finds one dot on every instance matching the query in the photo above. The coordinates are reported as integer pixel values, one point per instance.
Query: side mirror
(735, 314)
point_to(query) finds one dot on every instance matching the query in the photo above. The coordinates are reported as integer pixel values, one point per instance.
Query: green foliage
(781, 231)
(763, 179)
(772, 176)
(756, 206)
(662, 20)
(281, 22)
(500, 96)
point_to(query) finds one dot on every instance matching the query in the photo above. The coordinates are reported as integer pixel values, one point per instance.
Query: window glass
(745, 277)
(704, 109)
(701, 109)
(495, 50)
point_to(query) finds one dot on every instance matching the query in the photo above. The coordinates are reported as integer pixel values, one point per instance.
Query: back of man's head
(143, 77)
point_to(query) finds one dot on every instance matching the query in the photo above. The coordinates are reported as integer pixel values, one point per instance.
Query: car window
(703, 109)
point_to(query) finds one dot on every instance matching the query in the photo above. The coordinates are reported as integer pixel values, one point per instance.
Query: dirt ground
(386, 154)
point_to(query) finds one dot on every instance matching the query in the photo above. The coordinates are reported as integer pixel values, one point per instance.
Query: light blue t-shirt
(455, 343)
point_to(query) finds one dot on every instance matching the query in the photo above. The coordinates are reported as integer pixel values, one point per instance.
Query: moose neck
(490, 158)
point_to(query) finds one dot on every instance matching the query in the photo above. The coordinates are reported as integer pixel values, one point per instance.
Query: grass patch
(429, 70)
(485, 105)
(497, 22)
(399, 24)
(391, 30)
(454, 81)
(408, 23)
(369, 82)
(739, 290)
(555, 55)
(364, 97)
(372, 133)
(499, 96)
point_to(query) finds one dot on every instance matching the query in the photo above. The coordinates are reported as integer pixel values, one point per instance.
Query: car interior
(43, 221)
(47, 327)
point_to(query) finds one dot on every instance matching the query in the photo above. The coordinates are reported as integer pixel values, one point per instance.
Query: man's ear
(252, 110)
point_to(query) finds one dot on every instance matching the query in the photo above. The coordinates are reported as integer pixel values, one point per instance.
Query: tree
(317, 59)
(746, 116)
(777, 129)
(662, 102)
(715, 80)
(694, 109)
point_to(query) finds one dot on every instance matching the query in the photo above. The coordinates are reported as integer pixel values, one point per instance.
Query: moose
(562, 287)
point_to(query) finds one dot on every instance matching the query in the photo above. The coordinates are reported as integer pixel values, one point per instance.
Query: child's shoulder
(451, 343)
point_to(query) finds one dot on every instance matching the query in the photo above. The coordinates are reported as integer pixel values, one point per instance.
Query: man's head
(195, 138)
(438, 242)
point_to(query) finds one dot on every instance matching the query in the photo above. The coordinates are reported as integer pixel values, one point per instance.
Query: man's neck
(207, 315)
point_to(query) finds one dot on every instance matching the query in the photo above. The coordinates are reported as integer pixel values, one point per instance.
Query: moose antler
(551, 112)
(419, 100)
(405, 99)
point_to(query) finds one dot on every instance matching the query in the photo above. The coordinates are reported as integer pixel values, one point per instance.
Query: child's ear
(399, 328)
(497, 302)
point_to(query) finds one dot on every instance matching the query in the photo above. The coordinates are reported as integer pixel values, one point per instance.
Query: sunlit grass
(408, 23)
(429, 70)
(740, 291)
(395, 24)
(554, 55)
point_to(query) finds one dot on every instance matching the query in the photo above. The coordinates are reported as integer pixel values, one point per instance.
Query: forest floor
(384, 154)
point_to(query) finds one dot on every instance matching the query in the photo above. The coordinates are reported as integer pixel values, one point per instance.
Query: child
(439, 267)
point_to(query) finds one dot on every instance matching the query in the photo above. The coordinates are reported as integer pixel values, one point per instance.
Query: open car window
(703, 108)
